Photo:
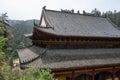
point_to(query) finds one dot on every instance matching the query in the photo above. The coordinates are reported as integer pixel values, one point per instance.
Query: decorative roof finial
(84, 12)
(72, 10)
(78, 12)
(44, 7)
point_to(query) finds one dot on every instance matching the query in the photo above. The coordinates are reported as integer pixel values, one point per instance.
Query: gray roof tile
(72, 24)
(68, 58)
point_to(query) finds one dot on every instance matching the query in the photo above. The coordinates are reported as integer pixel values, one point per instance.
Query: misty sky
(31, 9)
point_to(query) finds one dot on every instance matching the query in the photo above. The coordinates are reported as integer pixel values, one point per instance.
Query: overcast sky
(31, 9)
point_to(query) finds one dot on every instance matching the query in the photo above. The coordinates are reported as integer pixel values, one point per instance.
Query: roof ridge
(73, 13)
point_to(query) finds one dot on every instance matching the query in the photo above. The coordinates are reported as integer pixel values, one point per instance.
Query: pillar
(73, 75)
(113, 73)
(93, 73)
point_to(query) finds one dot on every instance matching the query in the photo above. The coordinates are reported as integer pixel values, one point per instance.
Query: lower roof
(67, 58)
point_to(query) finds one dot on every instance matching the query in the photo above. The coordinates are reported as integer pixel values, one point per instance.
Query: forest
(11, 38)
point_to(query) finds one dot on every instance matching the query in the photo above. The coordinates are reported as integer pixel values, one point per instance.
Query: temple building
(74, 46)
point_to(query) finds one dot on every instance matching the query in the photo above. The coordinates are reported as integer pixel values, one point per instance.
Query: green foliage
(1, 77)
(5, 32)
(27, 74)
(2, 29)
(21, 45)
(37, 74)
(7, 72)
(1, 56)
(9, 34)
(45, 75)
(2, 44)
(4, 71)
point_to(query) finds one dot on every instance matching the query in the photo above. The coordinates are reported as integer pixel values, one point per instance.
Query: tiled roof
(67, 58)
(29, 54)
(73, 24)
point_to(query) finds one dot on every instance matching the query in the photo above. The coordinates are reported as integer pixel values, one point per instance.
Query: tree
(4, 36)
(2, 29)
(21, 45)
(2, 54)
(4, 19)
(6, 70)
(3, 41)
(96, 12)
(27, 74)
(37, 74)
(2, 44)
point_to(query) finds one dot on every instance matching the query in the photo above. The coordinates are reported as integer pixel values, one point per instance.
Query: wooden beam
(50, 41)
(59, 73)
(100, 69)
(82, 71)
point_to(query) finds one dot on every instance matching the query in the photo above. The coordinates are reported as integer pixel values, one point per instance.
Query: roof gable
(43, 23)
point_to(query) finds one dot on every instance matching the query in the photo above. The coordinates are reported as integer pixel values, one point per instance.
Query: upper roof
(74, 24)
(64, 58)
